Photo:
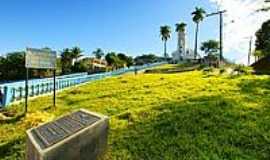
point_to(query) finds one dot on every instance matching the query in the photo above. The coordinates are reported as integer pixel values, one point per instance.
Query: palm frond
(165, 32)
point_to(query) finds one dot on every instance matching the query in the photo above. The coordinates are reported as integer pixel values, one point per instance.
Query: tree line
(70, 60)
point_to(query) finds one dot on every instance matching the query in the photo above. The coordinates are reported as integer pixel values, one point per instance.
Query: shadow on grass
(199, 128)
(13, 149)
(252, 86)
(174, 69)
(206, 127)
(12, 119)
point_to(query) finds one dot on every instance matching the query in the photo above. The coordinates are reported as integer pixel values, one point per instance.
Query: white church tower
(182, 53)
(181, 45)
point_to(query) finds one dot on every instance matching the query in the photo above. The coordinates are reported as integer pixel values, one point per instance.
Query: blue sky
(130, 26)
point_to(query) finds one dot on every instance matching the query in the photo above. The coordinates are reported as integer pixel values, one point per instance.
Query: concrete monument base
(81, 135)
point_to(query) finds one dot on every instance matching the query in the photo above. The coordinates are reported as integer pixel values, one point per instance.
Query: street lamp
(220, 13)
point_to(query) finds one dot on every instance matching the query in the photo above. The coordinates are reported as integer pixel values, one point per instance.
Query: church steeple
(182, 52)
(181, 45)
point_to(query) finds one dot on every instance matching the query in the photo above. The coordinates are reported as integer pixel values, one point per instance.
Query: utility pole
(250, 49)
(250, 38)
(220, 13)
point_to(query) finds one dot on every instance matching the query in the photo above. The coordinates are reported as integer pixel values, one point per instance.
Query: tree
(126, 59)
(66, 61)
(82, 66)
(129, 61)
(258, 54)
(2, 64)
(210, 47)
(198, 16)
(110, 58)
(146, 59)
(113, 60)
(98, 53)
(13, 66)
(263, 39)
(118, 60)
(123, 58)
(165, 33)
(76, 53)
(180, 27)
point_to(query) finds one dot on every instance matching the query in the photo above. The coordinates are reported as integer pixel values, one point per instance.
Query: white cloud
(246, 21)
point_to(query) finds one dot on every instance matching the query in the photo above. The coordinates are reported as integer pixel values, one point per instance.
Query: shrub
(203, 66)
(241, 69)
(208, 69)
(222, 70)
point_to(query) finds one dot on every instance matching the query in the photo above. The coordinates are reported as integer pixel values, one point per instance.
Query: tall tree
(263, 39)
(13, 66)
(76, 53)
(198, 16)
(113, 60)
(110, 57)
(165, 33)
(98, 53)
(66, 61)
(2, 63)
(126, 59)
(210, 47)
(258, 54)
(129, 61)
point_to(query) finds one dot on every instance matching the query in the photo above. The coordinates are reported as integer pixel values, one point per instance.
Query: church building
(183, 53)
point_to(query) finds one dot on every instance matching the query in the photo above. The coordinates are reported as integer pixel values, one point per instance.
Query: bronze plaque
(56, 131)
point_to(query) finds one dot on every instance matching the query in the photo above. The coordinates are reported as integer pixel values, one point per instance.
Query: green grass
(192, 115)
(173, 68)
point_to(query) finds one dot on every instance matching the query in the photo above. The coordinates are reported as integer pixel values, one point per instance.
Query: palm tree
(198, 16)
(180, 27)
(165, 33)
(76, 53)
(98, 53)
(210, 47)
(66, 61)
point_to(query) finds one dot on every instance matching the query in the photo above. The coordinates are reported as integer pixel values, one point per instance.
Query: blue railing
(12, 92)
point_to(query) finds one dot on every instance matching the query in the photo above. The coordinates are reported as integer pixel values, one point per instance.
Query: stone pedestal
(81, 135)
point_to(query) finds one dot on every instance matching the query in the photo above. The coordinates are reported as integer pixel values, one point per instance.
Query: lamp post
(220, 13)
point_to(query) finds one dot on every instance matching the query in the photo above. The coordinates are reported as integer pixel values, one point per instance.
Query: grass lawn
(191, 115)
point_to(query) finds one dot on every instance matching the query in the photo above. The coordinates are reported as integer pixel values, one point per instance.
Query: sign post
(26, 90)
(54, 89)
(39, 59)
